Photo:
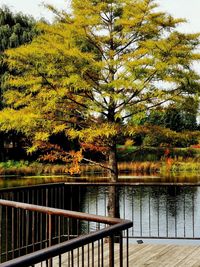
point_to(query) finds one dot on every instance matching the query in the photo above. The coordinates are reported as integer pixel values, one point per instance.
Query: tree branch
(98, 164)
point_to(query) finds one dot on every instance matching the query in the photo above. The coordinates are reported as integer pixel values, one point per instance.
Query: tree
(95, 72)
(177, 117)
(15, 29)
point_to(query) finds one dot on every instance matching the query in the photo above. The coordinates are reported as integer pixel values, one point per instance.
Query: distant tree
(95, 72)
(177, 117)
(15, 30)
(156, 136)
(180, 120)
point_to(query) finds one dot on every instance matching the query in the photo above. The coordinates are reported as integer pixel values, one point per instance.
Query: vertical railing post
(50, 230)
(120, 250)
(111, 251)
(13, 235)
(82, 256)
(0, 234)
(127, 248)
(6, 232)
(102, 253)
(50, 235)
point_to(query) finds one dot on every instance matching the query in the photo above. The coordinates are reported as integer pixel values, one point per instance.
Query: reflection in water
(156, 211)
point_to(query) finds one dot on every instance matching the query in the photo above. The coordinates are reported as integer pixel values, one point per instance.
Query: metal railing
(157, 210)
(51, 195)
(32, 234)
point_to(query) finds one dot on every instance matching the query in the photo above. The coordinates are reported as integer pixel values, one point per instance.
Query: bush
(155, 153)
(156, 136)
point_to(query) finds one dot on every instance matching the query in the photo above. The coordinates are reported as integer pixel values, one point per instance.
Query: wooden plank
(153, 255)
(183, 255)
(170, 258)
(140, 255)
(154, 251)
(191, 257)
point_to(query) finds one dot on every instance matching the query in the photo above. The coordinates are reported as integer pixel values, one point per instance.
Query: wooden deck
(141, 255)
(164, 255)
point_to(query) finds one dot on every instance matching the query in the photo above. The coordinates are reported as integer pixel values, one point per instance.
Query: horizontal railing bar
(11, 189)
(164, 237)
(184, 184)
(50, 252)
(43, 242)
(60, 212)
(47, 185)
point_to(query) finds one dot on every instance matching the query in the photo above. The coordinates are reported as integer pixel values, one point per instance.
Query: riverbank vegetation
(164, 167)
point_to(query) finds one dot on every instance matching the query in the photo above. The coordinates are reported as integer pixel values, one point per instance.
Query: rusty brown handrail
(115, 227)
(60, 212)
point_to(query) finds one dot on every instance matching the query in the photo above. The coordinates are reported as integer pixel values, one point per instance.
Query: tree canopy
(176, 117)
(15, 29)
(95, 72)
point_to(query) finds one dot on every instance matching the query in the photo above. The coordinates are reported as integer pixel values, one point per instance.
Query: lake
(158, 211)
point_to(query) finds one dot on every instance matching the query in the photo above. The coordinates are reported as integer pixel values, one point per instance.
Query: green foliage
(154, 154)
(15, 29)
(158, 136)
(175, 117)
(16, 164)
(137, 154)
(32, 168)
(185, 166)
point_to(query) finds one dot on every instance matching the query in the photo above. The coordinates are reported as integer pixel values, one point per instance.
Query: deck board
(165, 256)
(151, 255)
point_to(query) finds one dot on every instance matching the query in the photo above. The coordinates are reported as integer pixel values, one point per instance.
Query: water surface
(160, 207)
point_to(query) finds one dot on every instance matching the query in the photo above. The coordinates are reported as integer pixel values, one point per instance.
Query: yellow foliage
(128, 143)
(42, 136)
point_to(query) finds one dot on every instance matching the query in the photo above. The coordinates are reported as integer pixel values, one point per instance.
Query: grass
(186, 166)
(176, 165)
(147, 167)
(26, 168)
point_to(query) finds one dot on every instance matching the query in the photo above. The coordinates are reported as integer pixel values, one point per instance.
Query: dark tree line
(15, 30)
(176, 118)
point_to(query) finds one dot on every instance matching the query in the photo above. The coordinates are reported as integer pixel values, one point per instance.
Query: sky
(178, 8)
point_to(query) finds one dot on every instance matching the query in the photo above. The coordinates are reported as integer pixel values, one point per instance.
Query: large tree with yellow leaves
(96, 70)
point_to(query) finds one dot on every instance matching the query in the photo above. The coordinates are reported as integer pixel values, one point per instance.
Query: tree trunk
(113, 202)
(113, 196)
(113, 163)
